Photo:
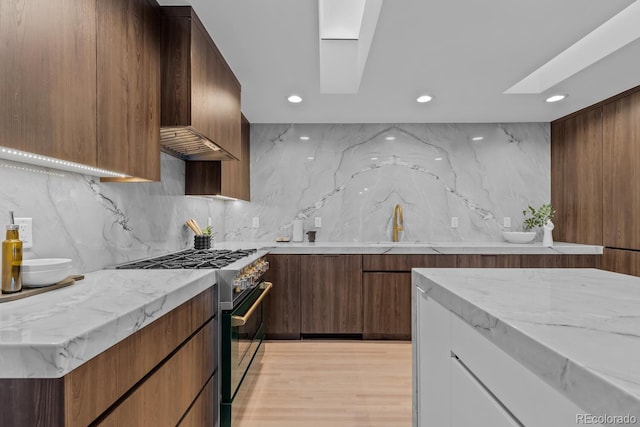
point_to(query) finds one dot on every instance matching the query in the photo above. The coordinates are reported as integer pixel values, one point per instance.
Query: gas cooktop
(190, 258)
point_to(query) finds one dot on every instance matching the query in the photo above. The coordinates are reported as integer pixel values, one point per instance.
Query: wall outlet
(506, 222)
(454, 222)
(25, 231)
(256, 222)
(318, 222)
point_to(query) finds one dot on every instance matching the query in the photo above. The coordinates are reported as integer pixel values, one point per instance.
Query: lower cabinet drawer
(164, 397)
(204, 411)
(472, 404)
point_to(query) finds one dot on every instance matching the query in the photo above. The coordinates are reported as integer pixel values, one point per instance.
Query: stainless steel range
(241, 293)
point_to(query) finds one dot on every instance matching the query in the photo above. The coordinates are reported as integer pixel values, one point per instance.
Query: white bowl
(519, 236)
(45, 271)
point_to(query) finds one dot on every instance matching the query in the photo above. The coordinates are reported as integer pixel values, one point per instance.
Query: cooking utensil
(193, 228)
(195, 223)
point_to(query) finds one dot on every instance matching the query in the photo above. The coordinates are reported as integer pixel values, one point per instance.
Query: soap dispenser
(11, 261)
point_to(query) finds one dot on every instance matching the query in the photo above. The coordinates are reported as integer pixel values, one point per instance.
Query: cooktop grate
(190, 259)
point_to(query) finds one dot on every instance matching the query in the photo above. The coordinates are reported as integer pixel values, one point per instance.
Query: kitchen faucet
(398, 222)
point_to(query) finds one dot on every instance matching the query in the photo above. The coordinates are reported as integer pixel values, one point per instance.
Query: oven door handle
(241, 320)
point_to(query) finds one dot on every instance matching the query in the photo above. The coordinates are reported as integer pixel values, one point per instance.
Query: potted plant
(539, 217)
(534, 218)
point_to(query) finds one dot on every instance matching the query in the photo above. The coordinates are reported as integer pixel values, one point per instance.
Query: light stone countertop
(50, 334)
(403, 248)
(577, 329)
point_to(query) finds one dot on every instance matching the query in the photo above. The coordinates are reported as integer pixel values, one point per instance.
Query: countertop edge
(571, 379)
(57, 358)
(449, 248)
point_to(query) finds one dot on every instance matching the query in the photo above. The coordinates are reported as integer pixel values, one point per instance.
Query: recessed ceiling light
(374, 158)
(304, 138)
(294, 99)
(390, 138)
(423, 98)
(477, 138)
(311, 158)
(556, 98)
(438, 158)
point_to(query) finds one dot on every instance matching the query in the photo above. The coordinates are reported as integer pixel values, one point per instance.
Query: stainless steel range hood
(188, 144)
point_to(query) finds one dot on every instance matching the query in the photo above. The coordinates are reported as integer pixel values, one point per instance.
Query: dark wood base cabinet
(368, 295)
(387, 305)
(331, 294)
(282, 306)
(152, 377)
(621, 261)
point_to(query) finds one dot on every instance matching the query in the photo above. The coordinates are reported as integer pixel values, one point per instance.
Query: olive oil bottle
(11, 261)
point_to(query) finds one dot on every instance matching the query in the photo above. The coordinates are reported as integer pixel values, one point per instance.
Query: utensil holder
(201, 242)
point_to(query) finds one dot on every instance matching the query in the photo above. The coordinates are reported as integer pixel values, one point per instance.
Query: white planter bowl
(519, 236)
(44, 271)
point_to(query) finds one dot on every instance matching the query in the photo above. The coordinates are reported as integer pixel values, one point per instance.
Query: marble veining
(99, 224)
(577, 329)
(49, 335)
(353, 175)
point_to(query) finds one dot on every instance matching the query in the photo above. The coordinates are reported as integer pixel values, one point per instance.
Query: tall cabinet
(621, 143)
(595, 179)
(576, 179)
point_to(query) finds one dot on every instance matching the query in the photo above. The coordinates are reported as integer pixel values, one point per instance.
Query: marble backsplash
(353, 175)
(101, 224)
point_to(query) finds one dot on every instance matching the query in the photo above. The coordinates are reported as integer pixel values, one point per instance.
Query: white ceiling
(464, 53)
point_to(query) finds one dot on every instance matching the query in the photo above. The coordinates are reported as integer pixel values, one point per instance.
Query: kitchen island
(534, 347)
(121, 346)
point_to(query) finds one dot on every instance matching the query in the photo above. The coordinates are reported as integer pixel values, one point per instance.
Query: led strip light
(50, 162)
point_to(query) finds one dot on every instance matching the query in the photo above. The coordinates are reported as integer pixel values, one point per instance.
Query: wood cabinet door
(226, 105)
(488, 261)
(128, 87)
(576, 181)
(406, 262)
(236, 173)
(331, 294)
(48, 78)
(621, 148)
(386, 305)
(282, 306)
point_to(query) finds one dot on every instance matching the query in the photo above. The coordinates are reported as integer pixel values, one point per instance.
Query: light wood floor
(330, 383)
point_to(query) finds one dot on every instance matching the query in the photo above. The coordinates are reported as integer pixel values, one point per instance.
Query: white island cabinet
(524, 347)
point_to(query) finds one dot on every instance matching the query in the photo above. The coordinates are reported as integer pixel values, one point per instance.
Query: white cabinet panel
(529, 398)
(433, 367)
(471, 404)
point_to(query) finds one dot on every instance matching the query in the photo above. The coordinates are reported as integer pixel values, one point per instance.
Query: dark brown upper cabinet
(81, 82)
(200, 95)
(216, 178)
(48, 78)
(128, 75)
